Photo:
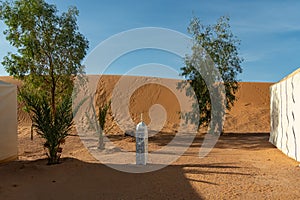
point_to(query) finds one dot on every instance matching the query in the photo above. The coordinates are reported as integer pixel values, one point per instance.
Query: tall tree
(49, 46)
(221, 46)
(50, 49)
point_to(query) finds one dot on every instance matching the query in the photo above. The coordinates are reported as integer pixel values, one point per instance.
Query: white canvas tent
(8, 122)
(285, 115)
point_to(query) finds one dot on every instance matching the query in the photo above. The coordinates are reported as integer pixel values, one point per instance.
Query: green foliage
(49, 46)
(102, 120)
(49, 53)
(53, 127)
(102, 114)
(217, 42)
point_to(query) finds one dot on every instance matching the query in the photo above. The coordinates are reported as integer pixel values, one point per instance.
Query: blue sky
(269, 30)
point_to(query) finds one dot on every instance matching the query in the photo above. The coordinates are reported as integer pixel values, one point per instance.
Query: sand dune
(250, 114)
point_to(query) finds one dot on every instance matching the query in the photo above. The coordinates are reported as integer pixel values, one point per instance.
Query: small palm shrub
(53, 127)
(102, 120)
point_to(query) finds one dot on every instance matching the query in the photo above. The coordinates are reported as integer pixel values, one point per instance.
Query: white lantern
(141, 137)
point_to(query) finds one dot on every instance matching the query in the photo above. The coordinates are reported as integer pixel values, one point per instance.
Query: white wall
(8, 122)
(285, 115)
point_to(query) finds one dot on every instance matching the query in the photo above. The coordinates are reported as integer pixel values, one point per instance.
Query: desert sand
(243, 164)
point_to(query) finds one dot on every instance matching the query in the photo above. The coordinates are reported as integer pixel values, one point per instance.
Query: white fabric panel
(283, 120)
(274, 113)
(285, 115)
(280, 114)
(8, 122)
(290, 143)
(296, 109)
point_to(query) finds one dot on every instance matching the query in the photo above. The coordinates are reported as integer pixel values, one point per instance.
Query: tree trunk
(101, 141)
(53, 107)
(53, 88)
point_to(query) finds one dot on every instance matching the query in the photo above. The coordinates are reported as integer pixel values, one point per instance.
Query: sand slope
(250, 114)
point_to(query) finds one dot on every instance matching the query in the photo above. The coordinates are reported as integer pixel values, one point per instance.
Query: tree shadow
(75, 179)
(160, 139)
(275, 115)
(248, 141)
(245, 141)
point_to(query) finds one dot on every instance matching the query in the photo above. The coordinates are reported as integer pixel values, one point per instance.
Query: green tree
(50, 49)
(219, 44)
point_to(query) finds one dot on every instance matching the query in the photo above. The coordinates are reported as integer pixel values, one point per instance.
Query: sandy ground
(243, 164)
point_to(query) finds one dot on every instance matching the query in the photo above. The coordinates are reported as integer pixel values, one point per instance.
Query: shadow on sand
(75, 179)
(245, 141)
(249, 141)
